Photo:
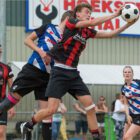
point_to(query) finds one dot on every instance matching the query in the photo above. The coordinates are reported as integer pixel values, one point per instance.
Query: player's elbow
(26, 41)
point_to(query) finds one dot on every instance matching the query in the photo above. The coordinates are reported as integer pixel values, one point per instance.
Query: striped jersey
(5, 74)
(68, 50)
(132, 93)
(48, 36)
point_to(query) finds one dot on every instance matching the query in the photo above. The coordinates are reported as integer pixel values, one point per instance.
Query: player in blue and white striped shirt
(131, 92)
(34, 75)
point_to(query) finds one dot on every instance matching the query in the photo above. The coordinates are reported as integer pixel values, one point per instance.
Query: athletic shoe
(25, 131)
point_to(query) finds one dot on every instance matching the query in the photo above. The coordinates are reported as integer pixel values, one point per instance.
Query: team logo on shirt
(80, 38)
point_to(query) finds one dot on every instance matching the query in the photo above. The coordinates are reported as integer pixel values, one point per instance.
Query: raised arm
(29, 42)
(102, 34)
(97, 21)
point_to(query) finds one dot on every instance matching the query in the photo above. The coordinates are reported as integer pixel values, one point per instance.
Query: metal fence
(13, 132)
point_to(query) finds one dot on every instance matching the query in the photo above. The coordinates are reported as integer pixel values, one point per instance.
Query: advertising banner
(39, 12)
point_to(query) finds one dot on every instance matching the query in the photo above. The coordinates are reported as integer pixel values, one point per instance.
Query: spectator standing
(101, 109)
(81, 124)
(63, 128)
(119, 116)
(56, 121)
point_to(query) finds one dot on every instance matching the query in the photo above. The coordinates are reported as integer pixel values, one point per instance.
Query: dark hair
(68, 13)
(117, 95)
(80, 6)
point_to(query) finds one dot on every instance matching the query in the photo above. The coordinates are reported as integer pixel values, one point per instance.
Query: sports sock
(31, 123)
(95, 133)
(47, 131)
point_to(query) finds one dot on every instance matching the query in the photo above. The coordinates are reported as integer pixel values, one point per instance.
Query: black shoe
(25, 131)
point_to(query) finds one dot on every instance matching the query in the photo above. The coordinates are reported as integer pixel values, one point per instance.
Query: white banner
(39, 12)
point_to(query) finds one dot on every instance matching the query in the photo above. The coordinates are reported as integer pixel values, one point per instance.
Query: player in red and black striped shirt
(6, 78)
(65, 76)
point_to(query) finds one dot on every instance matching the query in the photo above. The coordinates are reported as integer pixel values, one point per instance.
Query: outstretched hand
(119, 11)
(47, 59)
(132, 22)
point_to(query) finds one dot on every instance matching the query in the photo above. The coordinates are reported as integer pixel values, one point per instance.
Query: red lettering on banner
(106, 6)
(96, 5)
(117, 23)
(138, 5)
(117, 4)
(100, 27)
(108, 25)
(68, 4)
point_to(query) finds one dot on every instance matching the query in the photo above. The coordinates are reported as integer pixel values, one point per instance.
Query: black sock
(8, 103)
(31, 123)
(47, 131)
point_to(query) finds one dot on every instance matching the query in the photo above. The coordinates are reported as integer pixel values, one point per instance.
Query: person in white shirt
(119, 116)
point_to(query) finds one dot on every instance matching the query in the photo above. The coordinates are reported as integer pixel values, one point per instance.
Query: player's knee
(52, 110)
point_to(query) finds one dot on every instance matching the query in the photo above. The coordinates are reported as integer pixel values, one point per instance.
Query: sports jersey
(132, 93)
(5, 74)
(68, 50)
(48, 35)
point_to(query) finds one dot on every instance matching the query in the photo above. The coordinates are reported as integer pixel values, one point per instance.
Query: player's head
(66, 15)
(128, 73)
(83, 11)
(118, 95)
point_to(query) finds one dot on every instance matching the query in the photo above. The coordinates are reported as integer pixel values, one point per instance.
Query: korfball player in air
(64, 75)
(34, 75)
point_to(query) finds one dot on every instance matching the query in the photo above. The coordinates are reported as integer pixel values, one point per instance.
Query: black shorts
(136, 119)
(30, 79)
(3, 118)
(65, 80)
